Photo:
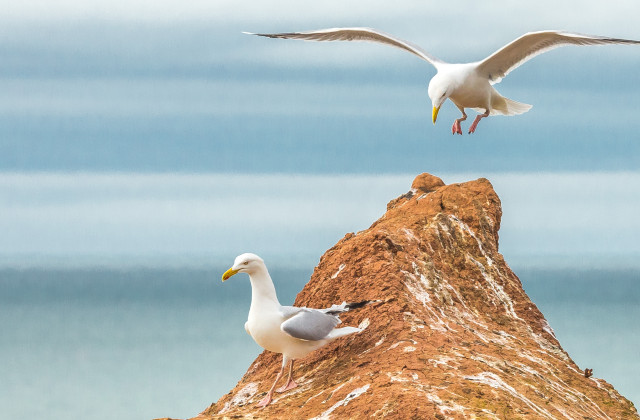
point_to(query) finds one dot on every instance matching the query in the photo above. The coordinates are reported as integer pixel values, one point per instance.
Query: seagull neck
(262, 288)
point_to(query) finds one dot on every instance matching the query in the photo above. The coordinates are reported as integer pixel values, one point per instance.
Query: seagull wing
(307, 324)
(529, 45)
(356, 34)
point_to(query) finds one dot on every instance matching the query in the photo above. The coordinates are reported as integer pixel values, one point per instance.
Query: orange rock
(454, 335)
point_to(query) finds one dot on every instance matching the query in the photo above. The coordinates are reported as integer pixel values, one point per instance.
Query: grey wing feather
(289, 311)
(308, 324)
(356, 34)
(529, 45)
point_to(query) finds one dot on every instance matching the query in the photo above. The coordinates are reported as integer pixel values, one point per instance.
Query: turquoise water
(144, 343)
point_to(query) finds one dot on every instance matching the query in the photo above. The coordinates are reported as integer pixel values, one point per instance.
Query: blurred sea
(145, 343)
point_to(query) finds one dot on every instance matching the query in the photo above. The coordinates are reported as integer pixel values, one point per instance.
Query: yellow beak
(230, 272)
(435, 113)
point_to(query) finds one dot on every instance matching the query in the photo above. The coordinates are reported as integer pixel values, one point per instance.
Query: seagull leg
(267, 399)
(290, 382)
(455, 128)
(477, 120)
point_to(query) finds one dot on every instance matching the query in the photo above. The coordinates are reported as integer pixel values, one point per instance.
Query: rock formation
(454, 335)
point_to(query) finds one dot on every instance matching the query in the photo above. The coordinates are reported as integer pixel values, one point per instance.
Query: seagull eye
(246, 263)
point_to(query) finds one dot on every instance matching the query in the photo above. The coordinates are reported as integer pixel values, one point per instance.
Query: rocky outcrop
(453, 336)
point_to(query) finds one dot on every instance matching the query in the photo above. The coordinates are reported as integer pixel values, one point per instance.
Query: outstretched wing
(308, 324)
(356, 34)
(529, 45)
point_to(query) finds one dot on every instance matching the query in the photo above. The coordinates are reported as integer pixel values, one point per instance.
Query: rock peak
(426, 183)
(453, 334)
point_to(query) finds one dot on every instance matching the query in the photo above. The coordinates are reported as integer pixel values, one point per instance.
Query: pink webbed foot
(455, 128)
(477, 120)
(265, 401)
(290, 385)
(472, 129)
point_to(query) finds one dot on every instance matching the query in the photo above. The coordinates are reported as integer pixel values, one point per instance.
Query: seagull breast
(465, 86)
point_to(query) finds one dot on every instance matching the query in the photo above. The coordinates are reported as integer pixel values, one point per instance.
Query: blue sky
(174, 90)
(582, 219)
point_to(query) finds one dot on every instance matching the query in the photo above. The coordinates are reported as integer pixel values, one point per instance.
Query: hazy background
(147, 143)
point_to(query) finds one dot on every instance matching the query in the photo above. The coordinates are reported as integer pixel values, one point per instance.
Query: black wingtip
(357, 305)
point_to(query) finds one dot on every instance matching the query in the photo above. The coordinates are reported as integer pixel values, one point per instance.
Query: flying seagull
(292, 331)
(467, 85)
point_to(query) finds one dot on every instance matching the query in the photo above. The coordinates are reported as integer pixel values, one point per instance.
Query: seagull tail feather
(506, 106)
(515, 108)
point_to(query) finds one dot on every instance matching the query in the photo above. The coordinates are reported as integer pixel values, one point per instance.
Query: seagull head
(439, 91)
(245, 263)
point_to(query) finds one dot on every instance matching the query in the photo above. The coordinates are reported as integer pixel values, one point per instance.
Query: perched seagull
(294, 332)
(468, 85)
